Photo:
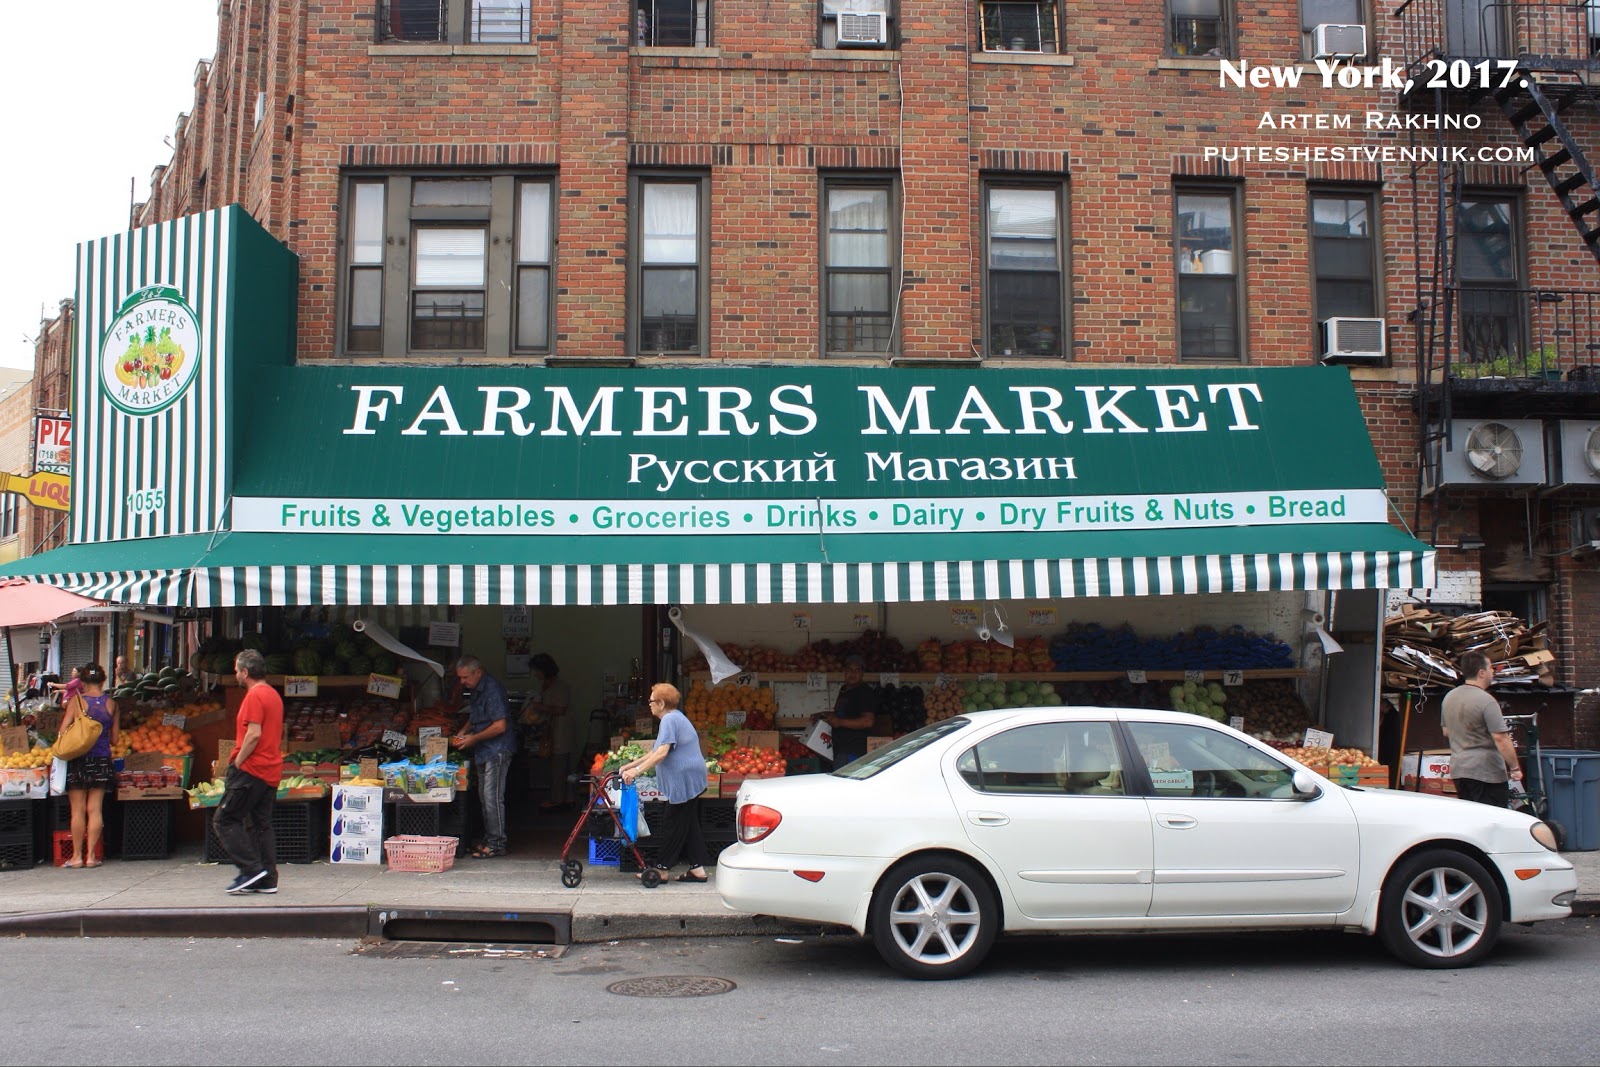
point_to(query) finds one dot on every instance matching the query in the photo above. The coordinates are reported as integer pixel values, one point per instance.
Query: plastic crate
(16, 818)
(416, 820)
(146, 829)
(422, 855)
(605, 852)
(299, 830)
(649, 849)
(717, 817)
(61, 847)
(16, 853)
(1572, 781)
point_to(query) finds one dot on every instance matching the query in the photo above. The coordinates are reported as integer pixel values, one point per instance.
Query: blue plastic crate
(1572, 780)
(605, 852)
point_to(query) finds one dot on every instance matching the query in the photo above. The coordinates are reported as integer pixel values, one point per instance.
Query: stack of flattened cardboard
(1422, 647)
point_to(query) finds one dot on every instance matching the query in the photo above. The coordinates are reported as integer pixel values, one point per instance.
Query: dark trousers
(1496, 793)
(244, 822)
(680, 838)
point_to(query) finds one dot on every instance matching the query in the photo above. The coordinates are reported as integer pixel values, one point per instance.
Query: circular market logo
(151, 353)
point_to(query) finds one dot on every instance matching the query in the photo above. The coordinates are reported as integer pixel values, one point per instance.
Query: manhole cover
(671, 985)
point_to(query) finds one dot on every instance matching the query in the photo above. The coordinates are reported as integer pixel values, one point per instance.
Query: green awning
(233, 569)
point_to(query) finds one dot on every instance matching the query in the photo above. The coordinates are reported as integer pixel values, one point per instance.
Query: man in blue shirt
(487, 735)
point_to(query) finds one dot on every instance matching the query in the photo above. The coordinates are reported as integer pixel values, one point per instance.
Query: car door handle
(987, 818)
(1178, 822)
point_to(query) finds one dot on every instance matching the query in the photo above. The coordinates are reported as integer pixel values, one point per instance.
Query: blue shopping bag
(628, 811)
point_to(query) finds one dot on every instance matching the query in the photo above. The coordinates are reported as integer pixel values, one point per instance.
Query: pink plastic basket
(425, 855)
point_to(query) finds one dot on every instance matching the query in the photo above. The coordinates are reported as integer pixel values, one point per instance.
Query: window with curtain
(859, 268)
(1019, 26)
(1199, 28)
(1205, 244)
(499, 22)
(1024, 301)
(670, 259)
(1343, 257)
(455, 21)
(421, 273)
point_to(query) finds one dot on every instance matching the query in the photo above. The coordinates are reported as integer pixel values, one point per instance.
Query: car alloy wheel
(1440, 909)
(934, 917)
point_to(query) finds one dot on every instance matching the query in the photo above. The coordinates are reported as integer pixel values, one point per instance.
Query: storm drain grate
(671, 985)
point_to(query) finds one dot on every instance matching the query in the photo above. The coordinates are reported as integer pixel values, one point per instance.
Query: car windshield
(883, 758)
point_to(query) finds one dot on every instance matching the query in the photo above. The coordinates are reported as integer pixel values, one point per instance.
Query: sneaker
(243, 883)
(266, 885)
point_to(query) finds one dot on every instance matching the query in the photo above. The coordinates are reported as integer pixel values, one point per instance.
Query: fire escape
(1508, 369)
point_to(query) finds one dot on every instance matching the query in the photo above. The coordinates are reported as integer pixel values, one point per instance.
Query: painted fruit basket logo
(151, 353)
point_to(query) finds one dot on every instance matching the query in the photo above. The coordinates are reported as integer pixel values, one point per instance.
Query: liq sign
(151, 352)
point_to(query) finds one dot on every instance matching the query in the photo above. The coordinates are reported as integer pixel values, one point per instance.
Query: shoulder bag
(78, 736)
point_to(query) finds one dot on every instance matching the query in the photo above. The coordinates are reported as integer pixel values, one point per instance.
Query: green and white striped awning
(257, 569)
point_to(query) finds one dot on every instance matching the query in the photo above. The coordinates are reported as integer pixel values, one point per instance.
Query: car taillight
(756, 821)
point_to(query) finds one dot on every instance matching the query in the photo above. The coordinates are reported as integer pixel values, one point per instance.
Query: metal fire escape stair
(1536, 116)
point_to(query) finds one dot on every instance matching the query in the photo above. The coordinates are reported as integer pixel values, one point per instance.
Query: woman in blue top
(680, 766)
(90, 775)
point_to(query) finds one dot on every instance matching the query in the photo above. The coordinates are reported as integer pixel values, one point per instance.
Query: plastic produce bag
(628, 811)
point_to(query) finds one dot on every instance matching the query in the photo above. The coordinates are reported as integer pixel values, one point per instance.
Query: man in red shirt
(244, 818)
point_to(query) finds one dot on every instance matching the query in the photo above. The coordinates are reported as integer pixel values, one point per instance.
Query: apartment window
(455, 21)
(669, 298)
(1206, 245)
(9, 512)
(860, 267)
(855, 24)
(1314, 13)
(1024, 240)
(424, 270)
(672, 23)
(1343, 256)
(1020, 26)
(1488, 270)
(1199, 28)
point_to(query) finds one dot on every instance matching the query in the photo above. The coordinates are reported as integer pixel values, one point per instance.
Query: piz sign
(52, 444)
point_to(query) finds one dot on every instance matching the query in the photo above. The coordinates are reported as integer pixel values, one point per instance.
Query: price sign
(299, 685)
(515, 622)
(1157, 754)
(802, 620)
(944, 679)
(444, 634)
(1194, 676)
(1041, 616)
(861, 620)
(748, 678)
(1137, 677)
(434, 748)
(13, 739)
(425, 732)
(172, 718)
(1237, 722)
(393, 739)
(991, 676)
(47, 722)
(736, 718)
(889, 678)
(816, 681)
(1233, 677)
(369, 769)
(1317, 739)
(385, 685)
(326, 735)
(963, 615)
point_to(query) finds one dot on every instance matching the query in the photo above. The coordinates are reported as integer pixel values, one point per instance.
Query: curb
(591, 928)
(190, 922)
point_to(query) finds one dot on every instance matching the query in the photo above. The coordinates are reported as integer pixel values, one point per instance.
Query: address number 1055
(143, 500)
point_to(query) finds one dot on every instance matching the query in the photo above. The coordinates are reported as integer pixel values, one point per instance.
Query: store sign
(52, 444)
(150, 353)
(43, 489)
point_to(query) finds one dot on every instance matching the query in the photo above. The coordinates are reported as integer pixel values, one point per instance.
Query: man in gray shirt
(1482, 756)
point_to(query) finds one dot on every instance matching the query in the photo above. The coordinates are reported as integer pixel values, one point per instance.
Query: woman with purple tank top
(90, 775)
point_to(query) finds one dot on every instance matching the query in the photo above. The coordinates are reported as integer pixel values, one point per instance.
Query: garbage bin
(1572, 780)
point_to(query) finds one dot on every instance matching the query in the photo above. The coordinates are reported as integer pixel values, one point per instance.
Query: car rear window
(883, 758)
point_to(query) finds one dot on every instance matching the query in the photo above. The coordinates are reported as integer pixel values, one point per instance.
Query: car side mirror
(1305, 785)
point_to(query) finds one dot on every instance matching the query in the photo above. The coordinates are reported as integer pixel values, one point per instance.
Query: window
(856, 24)
(1314, 13)
(669, 300)
(1196, 761)
(1488, 269)
(423, 274)
(860, 269)
(1343, 257)
(1199, 28)
(1025, 301)
(672, 23)
(1019, 26)
(1057, 758)
(1206, 247)
(881, 759)
(1476, 29)
(9, 512)
(455, 21)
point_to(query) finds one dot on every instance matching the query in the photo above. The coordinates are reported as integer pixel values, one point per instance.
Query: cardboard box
(819, 739)
(152, 776)
(757, 738)
(792, 722)
(24, 783)
(1435, 764)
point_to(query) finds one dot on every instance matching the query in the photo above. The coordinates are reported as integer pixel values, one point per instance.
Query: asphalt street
(1241, 999)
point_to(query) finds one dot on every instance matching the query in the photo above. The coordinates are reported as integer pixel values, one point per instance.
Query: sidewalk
(182, 897)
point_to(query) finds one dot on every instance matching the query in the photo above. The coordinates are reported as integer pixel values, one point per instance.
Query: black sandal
(687, 877)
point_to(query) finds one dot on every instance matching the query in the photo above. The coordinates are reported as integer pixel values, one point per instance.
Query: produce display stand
(300, 828)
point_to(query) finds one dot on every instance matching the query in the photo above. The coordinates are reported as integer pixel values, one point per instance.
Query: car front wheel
(934, 917)
(1440, 908)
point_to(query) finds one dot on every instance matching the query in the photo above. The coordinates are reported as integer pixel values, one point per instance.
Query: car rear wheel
(1440, 909)
(934, 917)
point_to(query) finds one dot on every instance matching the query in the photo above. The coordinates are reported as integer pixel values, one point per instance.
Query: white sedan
(1102, 819)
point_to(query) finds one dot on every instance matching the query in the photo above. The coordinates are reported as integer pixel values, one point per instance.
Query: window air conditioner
(1338, 40)
(1352, 340)
(857, 28)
